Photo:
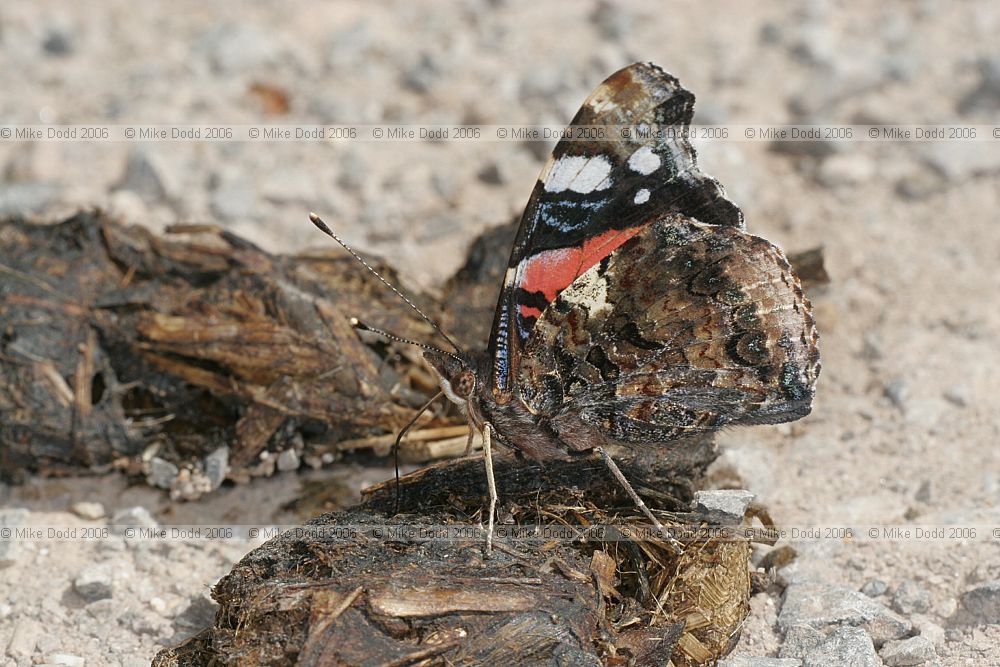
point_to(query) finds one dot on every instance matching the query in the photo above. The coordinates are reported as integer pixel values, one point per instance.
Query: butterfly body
(635, 310)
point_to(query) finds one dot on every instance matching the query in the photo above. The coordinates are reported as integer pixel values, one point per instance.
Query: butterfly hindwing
(683, 329)
(594, 195)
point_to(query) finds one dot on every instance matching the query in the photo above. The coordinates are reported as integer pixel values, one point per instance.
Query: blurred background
(905, 426)
(488, 62)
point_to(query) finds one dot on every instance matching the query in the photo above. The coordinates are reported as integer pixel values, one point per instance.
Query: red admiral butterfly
(635, 310)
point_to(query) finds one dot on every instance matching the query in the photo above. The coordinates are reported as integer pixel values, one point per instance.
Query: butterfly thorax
(464, 379)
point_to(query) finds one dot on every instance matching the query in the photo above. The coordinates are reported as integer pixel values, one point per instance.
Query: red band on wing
(551, 271)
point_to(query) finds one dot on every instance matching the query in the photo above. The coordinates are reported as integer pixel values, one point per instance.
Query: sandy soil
(905, 427)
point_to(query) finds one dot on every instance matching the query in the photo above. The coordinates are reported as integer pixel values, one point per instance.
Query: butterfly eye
(466, 384)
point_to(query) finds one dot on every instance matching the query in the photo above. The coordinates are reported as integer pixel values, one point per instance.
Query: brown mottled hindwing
(684, 329)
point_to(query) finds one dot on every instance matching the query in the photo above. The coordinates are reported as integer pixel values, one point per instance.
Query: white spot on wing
(644, 161)
(588, 290)
(579, 174)
(641, 197)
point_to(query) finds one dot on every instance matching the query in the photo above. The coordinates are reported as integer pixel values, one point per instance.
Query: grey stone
(874, 588)
(612, 20)
(755, 661)
(445, 184)
(217, 466)
(923, 493)
(983, 602)
(927, 628)
(907, 652)
(421, 76)
(58, 42)
(24, 638)
(88, 510)
(845, 647)
(911, 598)
(198, 615)
(957, 395)
(897, 390)
(103, 610)
(147, 175)
(162, 473)
(946, 608)
(25, 198)
(799, 640)
(132, 516)
(771, 33)
(491, 174)
(985, 97)
(94, 583)
(822, 606)
(923, 182)
(731, 504)
(818, 148)
(814, 46)
(288, 460)
(145, 624)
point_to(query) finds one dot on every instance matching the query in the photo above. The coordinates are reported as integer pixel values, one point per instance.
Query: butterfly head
(456, 375)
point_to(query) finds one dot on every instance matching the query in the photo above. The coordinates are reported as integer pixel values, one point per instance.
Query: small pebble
(844, 646)
(911, 598)
(94, 583)
(908, 652)
(217, 466)
(983, 602)
(730, 503)
(288, 460)
(88, 510)
(874, 588)
(24, 639)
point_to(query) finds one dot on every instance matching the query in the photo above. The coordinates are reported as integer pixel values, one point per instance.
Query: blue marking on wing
(501, 359)
(567, 215)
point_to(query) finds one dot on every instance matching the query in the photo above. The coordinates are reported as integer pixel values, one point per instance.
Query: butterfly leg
(620, 477)
(468, 443)
(491, 483)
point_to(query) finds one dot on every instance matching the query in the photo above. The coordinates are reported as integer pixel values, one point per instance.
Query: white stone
(88, 510)
(24, 639)
(641, 197)
(288, 460)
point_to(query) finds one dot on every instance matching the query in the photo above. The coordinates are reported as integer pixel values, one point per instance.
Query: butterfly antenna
(361, 326)
(399, 439)
(322, 226)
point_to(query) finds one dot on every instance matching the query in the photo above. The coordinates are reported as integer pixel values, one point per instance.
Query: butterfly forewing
(594, 195)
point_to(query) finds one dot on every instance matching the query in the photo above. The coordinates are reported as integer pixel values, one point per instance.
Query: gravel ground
(905, 427)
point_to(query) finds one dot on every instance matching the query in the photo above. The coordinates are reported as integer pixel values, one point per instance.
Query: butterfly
(635, 311)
